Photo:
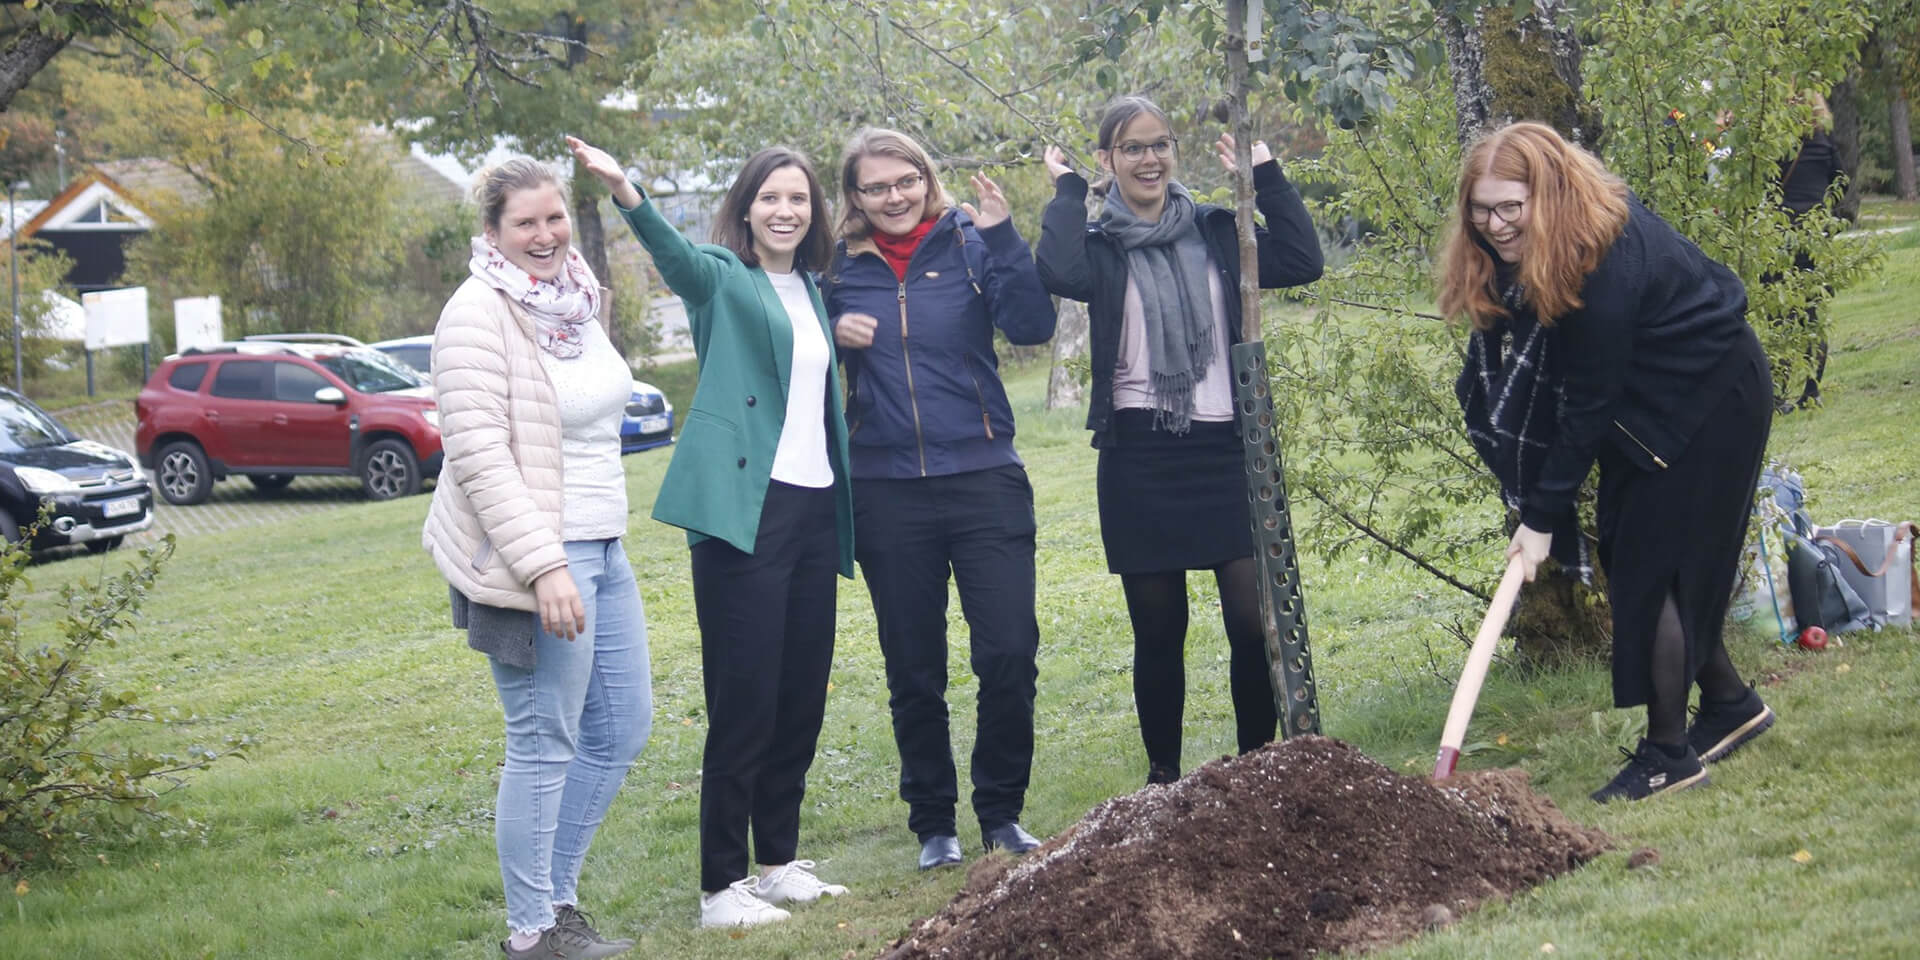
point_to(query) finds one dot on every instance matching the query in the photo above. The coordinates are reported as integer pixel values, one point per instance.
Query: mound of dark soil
(1304, 847)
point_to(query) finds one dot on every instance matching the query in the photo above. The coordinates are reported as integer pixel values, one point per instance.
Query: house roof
(93, 202)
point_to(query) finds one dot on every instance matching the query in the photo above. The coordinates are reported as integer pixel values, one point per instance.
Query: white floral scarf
(558, 307)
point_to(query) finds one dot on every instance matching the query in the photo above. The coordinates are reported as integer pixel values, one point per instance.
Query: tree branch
(1355, 522)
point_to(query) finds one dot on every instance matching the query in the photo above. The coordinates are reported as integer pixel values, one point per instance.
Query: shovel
(1467, 693)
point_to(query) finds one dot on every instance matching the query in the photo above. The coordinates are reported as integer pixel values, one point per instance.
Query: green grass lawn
(358, 826)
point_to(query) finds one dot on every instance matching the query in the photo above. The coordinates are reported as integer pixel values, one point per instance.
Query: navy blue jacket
(925, 399)
(1079, 262)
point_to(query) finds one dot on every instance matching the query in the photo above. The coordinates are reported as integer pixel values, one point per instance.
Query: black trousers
(908, 535)
(766, 647)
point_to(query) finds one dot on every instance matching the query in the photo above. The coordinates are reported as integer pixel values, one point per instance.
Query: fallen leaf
(1549, 948)
(1802, 856)
(1843, 668)
(1501, 739)
(20, 889)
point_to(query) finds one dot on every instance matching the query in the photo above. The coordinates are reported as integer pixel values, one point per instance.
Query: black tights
(1667, 707)
(1157, 605)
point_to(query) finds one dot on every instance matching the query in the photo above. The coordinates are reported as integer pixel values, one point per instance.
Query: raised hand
(993, 204)
(602, 165)
(1056, 160)
(1261, 154)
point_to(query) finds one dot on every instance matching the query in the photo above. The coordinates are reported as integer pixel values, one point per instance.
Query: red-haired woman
(1602, 334)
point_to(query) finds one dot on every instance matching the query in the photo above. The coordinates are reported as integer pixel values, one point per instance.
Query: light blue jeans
(575, 723)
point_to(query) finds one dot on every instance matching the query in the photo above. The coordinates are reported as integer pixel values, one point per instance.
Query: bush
(63, 778)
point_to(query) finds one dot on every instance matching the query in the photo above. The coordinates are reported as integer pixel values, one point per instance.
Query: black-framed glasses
(875, 191)
(1161, 148)
(1508, 212)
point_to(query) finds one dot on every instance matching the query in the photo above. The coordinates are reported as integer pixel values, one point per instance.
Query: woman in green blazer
(759, 481)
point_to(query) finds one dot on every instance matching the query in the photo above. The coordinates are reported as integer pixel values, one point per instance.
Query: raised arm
(1016, 299)
(689, 273)
(1061, 259)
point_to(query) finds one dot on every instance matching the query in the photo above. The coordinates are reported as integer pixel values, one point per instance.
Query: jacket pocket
(1637, 450)
(481, 555)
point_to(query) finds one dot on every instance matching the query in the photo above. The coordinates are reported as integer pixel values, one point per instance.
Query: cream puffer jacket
(494, 526)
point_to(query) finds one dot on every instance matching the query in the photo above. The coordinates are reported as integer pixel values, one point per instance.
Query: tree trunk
(1845, 104)
(1900, 121)
(1064, 386)
(590, 236)
(1466, 65)
(24, 56)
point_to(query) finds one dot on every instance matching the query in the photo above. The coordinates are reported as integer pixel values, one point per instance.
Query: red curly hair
(1576, 210)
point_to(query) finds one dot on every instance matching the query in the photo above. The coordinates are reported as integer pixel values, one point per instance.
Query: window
(370, 371)
(244, 380)
(417, 356)
(187, 376)
(24, 427)
(294, 383)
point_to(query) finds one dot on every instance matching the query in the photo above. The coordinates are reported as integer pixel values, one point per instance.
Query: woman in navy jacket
(1604, 336)
(1161, 277)
(916, 289)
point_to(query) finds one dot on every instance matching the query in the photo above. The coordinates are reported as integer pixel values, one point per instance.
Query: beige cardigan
(494, 526)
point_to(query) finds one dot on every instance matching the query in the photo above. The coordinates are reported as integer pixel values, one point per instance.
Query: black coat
(1079, 262)
(1804, 179)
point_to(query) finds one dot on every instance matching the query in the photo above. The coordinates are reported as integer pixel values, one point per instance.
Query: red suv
(275, 410)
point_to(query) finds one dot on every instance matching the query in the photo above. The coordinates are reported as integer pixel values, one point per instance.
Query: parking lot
(235, 502)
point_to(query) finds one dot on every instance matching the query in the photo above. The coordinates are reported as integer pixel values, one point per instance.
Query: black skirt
(1172, 501)
(1679, 531)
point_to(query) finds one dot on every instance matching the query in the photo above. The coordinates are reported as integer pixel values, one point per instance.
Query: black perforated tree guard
(1283, 611)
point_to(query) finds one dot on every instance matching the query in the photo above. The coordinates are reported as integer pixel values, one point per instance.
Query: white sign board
(116, 318)
(196, 323)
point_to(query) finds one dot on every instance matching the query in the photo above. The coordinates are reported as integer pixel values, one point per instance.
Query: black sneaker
(568, 915)
(1719, 729)
(1649, 772)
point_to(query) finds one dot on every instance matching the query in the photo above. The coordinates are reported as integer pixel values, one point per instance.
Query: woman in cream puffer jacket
(526, 526)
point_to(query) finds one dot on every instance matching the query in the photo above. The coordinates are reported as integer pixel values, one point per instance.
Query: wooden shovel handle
(1467, 693)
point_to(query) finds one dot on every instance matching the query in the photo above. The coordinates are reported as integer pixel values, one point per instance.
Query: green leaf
(256, 38)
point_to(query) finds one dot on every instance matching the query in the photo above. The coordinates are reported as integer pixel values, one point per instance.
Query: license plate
(120, 508)
(653, 424)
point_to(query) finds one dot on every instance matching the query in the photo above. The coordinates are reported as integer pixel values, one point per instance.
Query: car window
(24, 427)
(244, 380)
(187, 376)
(416, 355)
(370, 371)
(295, 384)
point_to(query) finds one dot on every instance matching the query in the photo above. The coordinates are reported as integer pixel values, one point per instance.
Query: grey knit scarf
(1167, 260)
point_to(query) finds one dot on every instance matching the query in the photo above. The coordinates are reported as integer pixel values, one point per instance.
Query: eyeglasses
(1508, 212)
(1161, 148)
(905, 185)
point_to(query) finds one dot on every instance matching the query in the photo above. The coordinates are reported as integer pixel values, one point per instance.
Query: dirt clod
(1302, 848)
(1436, 917)
(1643, 857)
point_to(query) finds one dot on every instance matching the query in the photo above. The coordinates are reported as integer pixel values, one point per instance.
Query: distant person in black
(1603, 335)
(1804, 182)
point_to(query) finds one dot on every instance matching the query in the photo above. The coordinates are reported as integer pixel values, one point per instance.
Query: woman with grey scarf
(1159, 273)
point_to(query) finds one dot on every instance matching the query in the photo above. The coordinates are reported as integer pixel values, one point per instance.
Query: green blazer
(723, 461)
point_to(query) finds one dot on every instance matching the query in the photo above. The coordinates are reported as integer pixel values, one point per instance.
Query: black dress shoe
(1009, 837)
(940, 851)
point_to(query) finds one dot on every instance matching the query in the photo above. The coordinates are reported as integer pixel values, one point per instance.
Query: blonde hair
(1822, 115)
(494, 184)
(881, 142)
(1576, 209)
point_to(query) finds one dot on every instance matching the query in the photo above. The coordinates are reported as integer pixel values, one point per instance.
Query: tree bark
(1845, 104)
(1466, 65)
(28, 52)
(1064, 386)
(1899, 122)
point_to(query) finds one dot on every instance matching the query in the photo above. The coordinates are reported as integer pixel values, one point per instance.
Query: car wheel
(270, 481)
(104, 544)
(183, 473)
(389, 469)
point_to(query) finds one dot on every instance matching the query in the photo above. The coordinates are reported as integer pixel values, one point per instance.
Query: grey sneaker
(560, 942)
(568, 915)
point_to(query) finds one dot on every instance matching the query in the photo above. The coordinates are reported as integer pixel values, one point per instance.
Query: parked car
(647, 423)
(98, 494)
(273, 410)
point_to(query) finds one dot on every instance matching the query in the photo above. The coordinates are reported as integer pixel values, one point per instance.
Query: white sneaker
(739, 905)
(795, 883)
